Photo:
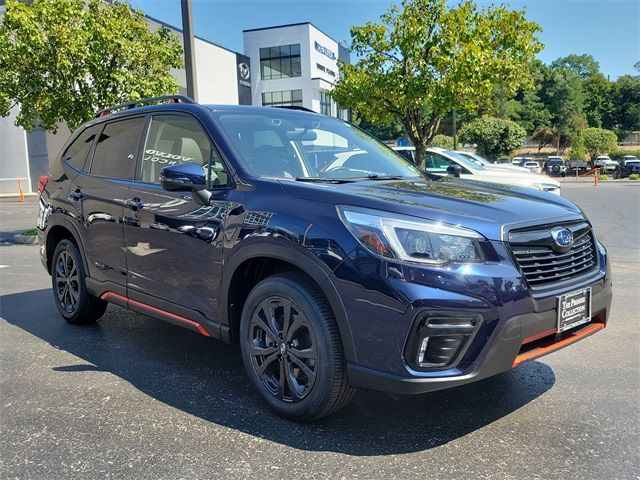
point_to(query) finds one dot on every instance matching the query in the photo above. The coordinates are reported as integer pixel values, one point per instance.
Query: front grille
(541, 265)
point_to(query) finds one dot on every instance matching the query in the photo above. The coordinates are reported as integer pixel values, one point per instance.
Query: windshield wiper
(375, 176)
(324, 180)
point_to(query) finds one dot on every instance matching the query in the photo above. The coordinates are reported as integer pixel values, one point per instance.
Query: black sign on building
(243, 72)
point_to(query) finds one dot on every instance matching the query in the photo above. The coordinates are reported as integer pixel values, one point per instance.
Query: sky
(607, 29)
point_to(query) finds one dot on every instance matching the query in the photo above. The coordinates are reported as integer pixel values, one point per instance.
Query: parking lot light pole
(189, 52)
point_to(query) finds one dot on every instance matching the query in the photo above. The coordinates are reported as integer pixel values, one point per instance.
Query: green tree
(544, 136)
(598, 141)
(493, 136)
(563, 95)
(61, 60)
(584, 65)
(442, 141)
(381, 132)
(626, 104)
(598, 107)
(424, 59)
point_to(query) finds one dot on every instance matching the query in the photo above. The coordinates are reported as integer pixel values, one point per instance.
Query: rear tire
(69, 289)
(292, 350)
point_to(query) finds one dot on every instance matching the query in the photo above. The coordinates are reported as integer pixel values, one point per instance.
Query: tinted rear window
(117, 148)
(76, 153)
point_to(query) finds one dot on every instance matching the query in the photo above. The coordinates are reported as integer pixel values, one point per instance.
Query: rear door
(102, 193)
(173, 245)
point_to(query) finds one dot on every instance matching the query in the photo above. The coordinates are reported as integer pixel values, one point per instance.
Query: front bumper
(517, 325)
(521, 338)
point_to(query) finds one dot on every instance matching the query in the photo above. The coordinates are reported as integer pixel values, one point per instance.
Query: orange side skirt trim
(153, 310)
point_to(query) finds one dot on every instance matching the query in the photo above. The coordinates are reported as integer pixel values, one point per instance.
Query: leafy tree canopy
(424, 59)
(61, 60)
(598, 141)
(584, 65)
(442, 141)
(493, 136)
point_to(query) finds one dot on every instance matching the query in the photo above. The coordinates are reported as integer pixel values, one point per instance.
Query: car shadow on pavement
(206, 378)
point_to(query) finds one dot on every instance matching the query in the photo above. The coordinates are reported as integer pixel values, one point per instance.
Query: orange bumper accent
(552, 345)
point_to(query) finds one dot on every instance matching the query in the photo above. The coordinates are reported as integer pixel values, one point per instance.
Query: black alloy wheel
(283, 349)
(68, 276)
(291, 348)
(67, 281)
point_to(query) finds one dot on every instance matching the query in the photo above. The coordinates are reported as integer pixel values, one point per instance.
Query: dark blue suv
(335, 263)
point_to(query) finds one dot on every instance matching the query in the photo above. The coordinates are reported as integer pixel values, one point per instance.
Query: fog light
(423, 350)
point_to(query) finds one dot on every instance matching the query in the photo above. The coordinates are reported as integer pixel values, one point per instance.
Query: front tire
(69, 289)
(292, 350)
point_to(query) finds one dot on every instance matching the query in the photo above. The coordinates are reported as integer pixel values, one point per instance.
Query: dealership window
(286, 98)
(325, 104)
(280, 62)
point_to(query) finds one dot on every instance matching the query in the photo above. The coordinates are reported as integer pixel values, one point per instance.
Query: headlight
(546, 187)
(405, 238)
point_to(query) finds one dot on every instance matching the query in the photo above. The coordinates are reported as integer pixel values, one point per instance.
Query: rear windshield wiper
(325, 180)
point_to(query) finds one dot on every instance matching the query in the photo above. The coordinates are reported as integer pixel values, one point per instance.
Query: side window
(117, 147)
(437, 163)
(76, 153)
(174, 139)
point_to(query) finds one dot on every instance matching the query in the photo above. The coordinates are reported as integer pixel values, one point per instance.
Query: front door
(172, 244)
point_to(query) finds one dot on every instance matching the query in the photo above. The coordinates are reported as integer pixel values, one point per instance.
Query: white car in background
(439, 161)
(477, 159)
(533, 167)
(629, 159)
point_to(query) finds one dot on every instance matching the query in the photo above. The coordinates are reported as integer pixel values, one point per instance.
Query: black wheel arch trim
(305, 261)
(65, 223)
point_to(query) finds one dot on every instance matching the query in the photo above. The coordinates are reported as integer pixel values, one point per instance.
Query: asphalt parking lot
(133, 397)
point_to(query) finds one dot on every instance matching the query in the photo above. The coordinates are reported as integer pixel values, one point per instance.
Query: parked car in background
(609, 166)
(408, 153)
(532, 166)
(629, 158)
(474, 157)
(520, 160)
(601, 160)
(332, 261)
(441, 162)
(555, 166)
(630, 167)
(577, 166)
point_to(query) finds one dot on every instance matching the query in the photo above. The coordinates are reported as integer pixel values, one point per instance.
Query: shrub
(494, 136)
(442, 141)
(603, 176)
(634, 176)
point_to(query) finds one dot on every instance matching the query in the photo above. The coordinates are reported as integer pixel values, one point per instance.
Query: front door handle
(134, 203)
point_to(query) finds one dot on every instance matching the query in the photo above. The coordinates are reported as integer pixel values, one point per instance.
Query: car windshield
(279, 143)
(475, 158)
(463, 161)
(531, 164)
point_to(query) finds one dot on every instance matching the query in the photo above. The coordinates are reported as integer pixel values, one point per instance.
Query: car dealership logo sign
(325, 51)
(245, 71)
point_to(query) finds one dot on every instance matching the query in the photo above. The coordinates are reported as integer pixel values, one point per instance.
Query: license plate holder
(573, 309)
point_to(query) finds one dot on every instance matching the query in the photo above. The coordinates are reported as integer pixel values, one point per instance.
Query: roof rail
(145, 101)
(295, 107)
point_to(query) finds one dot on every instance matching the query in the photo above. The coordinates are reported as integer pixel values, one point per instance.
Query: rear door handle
(134, 203)
(76, 195)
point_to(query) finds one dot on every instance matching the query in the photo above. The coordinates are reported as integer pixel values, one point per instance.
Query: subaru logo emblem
(563, 237)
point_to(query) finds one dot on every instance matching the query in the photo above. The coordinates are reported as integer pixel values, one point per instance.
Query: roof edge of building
(292, 25)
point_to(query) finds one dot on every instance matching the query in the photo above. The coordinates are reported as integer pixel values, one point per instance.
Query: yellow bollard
(20, 191)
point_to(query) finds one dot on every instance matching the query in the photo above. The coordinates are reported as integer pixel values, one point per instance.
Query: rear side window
(76, 153)
(116, 150)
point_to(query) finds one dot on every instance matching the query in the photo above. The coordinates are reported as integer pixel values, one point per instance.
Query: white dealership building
(284, 65)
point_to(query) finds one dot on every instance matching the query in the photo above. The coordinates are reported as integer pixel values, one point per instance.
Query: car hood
(510, 177)
(486, 208)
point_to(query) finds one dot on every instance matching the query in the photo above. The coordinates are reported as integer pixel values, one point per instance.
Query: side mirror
(454, 170)
(185, 177)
